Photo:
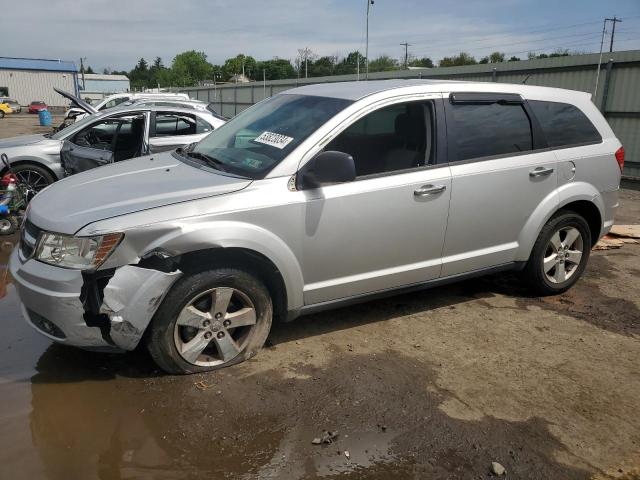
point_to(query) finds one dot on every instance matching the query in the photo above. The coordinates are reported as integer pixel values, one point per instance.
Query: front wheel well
(244, 259)
(590, 213)
(31, 162)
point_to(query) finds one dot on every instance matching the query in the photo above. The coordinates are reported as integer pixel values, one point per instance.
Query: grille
(28, 239)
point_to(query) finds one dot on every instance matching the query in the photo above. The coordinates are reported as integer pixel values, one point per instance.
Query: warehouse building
(29, 79)
(95, 87)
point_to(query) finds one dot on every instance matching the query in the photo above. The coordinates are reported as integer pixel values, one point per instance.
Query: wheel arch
(580, 197)
(30, 161)
(234, 244)
(245, 259)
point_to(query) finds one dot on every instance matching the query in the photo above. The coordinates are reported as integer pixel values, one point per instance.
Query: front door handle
(427, 190)
(540, 172)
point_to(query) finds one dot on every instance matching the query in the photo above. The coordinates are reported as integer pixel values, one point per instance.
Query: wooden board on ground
(628, 231)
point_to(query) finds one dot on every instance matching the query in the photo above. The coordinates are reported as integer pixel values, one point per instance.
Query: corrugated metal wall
(619, 82)
(25, 86)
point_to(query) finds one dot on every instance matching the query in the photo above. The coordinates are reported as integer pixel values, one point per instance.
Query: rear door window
(487, 130)
(564, 124)
(169, 125)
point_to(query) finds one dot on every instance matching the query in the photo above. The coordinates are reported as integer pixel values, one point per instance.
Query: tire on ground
(533, 272)
(160, 334)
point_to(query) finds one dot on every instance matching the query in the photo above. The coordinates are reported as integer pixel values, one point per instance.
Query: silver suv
(318, 197)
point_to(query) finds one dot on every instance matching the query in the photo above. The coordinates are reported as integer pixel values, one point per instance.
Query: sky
(116, 33)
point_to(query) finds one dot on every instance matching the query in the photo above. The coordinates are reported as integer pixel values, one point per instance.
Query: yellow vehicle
(4, 109)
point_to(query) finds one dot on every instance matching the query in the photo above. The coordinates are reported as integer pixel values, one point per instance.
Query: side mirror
(326, 168)
(5, 161)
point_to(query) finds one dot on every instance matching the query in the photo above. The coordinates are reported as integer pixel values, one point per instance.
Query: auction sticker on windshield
(274, 139)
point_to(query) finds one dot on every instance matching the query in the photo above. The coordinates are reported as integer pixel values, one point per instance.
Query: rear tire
(210, 320)
(559, 255)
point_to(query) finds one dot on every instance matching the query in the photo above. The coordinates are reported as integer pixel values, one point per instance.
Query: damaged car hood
(125, 187)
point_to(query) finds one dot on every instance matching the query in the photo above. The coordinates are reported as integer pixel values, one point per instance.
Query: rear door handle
(541, 171)
(427, 190)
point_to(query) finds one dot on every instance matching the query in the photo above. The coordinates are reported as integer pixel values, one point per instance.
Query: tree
(514, 59)
(496, 57)
(383, 63)
(89, 70)
(349, 64)
(424, 62)
(484, 60)
(139, 76)
(463, 58)
(159, 74)
(190, 67)
(275, 69)
(560, 52)
(236, 65)
(304, 58)
(322, 67)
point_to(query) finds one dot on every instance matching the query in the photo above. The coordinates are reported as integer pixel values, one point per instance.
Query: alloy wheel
(213, 328)
(31, 181)
(563, 255)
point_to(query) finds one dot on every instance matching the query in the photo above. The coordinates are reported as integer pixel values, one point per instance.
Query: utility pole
(358, 65)
(613, 20)
(366, 53)
(604, 29)
(82, 72)
(406, 54)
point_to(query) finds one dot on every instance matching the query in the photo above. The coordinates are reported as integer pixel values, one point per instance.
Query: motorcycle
(13, 200)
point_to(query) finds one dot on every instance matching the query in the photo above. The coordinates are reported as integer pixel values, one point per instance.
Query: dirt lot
(430, 385)
(24, 124)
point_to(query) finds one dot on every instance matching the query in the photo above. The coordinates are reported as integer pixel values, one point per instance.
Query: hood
(21, 141)
(78, 102)
(125, 187)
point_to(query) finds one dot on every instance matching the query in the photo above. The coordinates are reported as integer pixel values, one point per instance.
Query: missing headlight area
(121, 302)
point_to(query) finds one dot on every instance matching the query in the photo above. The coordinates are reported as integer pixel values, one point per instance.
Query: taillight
(620, 158)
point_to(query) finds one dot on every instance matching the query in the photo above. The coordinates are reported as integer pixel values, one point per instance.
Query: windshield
(259, 138)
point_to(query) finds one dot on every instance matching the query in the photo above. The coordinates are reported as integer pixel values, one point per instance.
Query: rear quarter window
(563, 124)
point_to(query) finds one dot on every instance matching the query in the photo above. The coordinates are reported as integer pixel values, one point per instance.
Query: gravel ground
(436, 384)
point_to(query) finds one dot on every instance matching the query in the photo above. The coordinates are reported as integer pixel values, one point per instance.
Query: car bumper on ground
(50, 298)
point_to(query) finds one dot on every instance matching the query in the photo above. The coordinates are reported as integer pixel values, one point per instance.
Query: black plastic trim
(485, 98)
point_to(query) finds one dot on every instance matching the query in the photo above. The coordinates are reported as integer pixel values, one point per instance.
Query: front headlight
(76, 252)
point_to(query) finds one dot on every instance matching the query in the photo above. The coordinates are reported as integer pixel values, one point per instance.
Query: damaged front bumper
(54, 302)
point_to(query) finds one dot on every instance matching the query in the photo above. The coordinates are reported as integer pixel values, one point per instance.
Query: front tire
(559, 255)
(210, 320)
(32, 177)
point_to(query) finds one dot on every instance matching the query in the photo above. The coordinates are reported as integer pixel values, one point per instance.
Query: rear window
(486, 130)
(563, 124)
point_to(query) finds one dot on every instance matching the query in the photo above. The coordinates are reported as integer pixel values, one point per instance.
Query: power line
(476, 39)
(525, 42)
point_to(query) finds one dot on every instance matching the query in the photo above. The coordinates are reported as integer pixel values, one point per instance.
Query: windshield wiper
(211, 161)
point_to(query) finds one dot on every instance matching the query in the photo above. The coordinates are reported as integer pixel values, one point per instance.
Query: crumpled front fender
(131, 298)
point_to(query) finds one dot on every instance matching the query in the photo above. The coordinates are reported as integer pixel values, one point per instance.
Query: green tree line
(192, 67)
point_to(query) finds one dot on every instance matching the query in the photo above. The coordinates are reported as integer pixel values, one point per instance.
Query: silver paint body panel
(339, 241)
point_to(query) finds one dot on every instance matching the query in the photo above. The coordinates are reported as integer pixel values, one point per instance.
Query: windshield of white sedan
(256, 140)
